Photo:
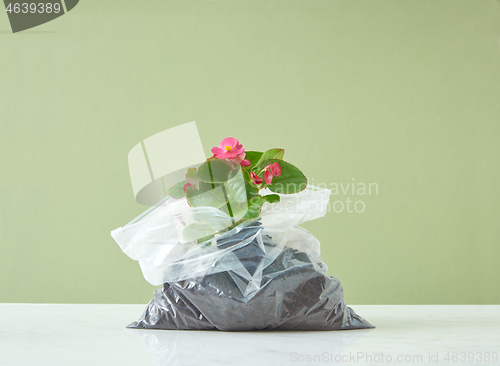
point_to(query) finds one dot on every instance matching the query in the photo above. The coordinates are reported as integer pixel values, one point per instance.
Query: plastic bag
(261, 274)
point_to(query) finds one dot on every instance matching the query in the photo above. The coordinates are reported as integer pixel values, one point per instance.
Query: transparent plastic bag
(264, 273)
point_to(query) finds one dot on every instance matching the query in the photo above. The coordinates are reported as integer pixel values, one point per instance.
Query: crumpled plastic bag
(264, 273)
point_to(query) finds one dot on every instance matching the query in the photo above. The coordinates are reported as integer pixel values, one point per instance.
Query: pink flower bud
(256, 179)
(245, 163)
(268, 176)
(275, 169)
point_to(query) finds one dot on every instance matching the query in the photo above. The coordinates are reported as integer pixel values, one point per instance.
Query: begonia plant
(233, 179)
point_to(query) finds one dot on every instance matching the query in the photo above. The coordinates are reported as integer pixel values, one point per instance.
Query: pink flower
(275, 169)
(256, 179)
(268, 176)
(271, 170)
(242, 161)
(240, 157)
(229, 148)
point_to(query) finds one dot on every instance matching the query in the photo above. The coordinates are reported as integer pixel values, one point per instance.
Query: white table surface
(96, 335)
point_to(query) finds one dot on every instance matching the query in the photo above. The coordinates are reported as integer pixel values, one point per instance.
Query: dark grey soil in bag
(294, 294)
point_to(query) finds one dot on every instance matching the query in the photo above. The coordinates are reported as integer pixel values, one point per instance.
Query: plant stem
(223, 190)
(227, 203)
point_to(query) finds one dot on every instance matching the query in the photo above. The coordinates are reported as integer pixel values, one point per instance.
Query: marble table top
(48, 334)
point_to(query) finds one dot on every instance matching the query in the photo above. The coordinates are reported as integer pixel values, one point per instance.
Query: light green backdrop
(402, 93)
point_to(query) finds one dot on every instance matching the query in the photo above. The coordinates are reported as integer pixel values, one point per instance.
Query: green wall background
(402, 93)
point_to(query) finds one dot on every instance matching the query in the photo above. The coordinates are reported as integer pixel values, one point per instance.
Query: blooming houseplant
(240, 198)
(226, 261)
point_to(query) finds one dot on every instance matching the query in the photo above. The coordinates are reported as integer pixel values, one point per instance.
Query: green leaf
(291, 180)
(245, 192)
(238, 209)
(177, 190)
(192, 177)
(254, 207)
(272, 198)
(251, 189)
(214, 171)
(205, 195)
(236, 186)
(253, 156)
(273, 154)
